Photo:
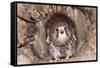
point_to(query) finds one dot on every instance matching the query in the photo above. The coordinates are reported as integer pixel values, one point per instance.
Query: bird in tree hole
(61, 37)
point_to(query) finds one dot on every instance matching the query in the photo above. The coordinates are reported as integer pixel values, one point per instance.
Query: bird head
(59, 28)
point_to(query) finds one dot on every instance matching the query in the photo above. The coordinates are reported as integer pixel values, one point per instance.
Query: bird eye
(56, 29)
(65, 28)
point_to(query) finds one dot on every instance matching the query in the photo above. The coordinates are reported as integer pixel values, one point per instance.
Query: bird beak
(61, 30)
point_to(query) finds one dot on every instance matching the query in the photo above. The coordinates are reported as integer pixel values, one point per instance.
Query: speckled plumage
(61, 35)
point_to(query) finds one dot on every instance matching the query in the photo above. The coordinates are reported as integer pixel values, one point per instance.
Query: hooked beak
(61, 30)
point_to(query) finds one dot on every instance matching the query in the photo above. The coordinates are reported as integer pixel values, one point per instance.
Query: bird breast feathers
(62, 37)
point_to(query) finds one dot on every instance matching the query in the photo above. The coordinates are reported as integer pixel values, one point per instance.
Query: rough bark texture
(31, 44)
